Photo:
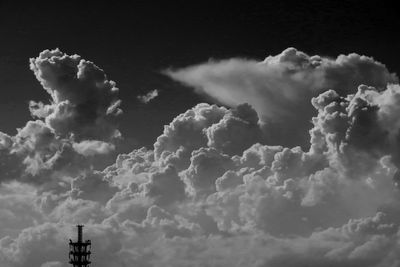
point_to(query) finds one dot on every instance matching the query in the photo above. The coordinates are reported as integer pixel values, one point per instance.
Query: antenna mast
(79, 252)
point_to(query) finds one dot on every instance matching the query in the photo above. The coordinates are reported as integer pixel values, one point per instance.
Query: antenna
(79, 252)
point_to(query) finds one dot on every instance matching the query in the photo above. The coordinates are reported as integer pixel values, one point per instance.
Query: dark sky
(134, 42)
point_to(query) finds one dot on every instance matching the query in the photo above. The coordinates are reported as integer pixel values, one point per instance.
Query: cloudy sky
(201, 134)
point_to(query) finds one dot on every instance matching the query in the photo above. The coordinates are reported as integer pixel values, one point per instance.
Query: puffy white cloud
(132, 168)
(236, 131)
(230, 131)
(355, 130)
(93, 185)
(38, 146)
(165, 186)
(280, 87)
(84, 102)
(206, 165)
(79, 122)
(186, 132)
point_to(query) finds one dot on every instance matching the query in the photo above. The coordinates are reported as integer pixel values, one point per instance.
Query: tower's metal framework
(79, 252)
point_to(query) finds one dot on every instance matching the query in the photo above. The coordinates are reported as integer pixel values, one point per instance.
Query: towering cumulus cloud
(80, 120)
(84, 103)
(217, 189)
(280, 87)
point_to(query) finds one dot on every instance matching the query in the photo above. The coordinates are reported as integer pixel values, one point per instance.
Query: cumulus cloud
(230, 131)
(212, 191)
(84, 102)
(80, 121)
(280, 87)
(148, 97)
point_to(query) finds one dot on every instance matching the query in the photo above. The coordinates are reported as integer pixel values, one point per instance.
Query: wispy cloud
(148, 97)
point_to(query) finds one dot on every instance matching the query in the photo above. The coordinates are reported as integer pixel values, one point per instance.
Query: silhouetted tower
(79, 252)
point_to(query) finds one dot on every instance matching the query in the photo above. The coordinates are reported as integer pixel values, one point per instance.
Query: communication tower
(79, 251)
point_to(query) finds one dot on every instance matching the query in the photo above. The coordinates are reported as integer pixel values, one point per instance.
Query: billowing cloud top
(217, 188)
(80, 120)
(84, 103)
(281, 86)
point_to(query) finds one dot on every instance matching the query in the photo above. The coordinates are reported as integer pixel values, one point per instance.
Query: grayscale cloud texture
(148, 97)
(280, 87)
(220, 187)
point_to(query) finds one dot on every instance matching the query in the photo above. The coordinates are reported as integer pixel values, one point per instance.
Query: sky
(200, 134)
